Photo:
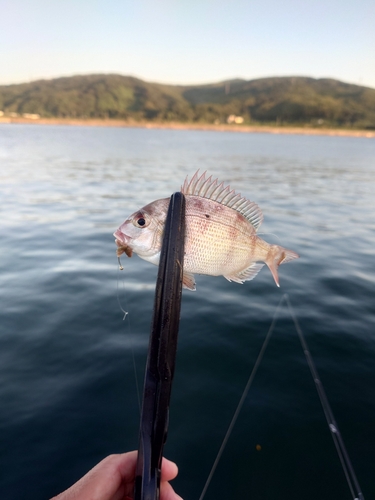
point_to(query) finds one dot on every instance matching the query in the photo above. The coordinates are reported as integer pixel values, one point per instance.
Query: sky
(188, 41)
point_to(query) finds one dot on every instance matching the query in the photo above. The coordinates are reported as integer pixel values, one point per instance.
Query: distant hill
(286, 100)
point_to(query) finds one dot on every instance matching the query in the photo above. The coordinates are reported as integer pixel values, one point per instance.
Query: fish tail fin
(279, 255)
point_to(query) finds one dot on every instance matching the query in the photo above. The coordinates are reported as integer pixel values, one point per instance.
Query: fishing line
(346, 464)
(120, 268)
(126, 315)
(271, 234)
(243, 397)
(332, 425)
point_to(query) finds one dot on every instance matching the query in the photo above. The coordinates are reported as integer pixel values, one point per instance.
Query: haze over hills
(278, 100)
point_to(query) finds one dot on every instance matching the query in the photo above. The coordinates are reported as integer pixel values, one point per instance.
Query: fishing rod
(346, 464)
(351, 478)
(161, 354)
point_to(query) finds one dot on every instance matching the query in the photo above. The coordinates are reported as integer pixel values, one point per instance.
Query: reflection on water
(67, 391)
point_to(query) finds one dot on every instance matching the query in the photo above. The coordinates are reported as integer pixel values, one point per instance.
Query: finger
(167, 492)
(108, 480)
(169, 470)
(126, 464)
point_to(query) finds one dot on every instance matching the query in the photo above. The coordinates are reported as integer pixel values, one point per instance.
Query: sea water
(68, 383)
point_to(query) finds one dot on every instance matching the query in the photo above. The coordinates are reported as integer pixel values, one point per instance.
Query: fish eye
(140, 221)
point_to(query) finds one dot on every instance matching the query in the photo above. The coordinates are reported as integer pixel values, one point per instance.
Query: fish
(220, 234)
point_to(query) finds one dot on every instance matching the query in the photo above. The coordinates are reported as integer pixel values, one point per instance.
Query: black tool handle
(161, 354)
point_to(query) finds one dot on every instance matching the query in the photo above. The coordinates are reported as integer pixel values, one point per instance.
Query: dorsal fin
(207, 188)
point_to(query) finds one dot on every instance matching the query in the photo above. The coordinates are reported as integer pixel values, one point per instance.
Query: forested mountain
(280, 100)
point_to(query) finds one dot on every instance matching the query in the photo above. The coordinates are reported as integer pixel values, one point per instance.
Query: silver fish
(220, 237)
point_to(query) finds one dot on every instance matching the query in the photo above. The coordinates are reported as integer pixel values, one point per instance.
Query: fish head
(142, 232)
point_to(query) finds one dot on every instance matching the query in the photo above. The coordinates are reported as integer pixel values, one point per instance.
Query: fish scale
(216, 244)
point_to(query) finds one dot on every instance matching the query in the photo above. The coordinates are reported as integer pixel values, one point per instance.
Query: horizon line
(212, 82)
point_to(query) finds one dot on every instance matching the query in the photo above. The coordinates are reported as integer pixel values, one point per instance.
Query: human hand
(113, 479)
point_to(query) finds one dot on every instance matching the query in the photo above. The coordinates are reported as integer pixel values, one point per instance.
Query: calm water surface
(68, 394)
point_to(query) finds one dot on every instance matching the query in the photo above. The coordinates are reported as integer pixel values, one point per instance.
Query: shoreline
(266, 129)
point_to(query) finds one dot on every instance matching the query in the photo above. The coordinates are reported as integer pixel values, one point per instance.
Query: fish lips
(122, 244)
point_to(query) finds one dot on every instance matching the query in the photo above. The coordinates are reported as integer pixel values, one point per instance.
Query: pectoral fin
(188, 281)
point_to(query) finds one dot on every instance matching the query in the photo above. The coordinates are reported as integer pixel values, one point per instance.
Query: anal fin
(246, 275)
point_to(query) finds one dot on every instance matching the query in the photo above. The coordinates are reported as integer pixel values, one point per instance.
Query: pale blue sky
(188, 41)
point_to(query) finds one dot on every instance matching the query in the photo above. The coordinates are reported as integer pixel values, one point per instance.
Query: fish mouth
(121, 242)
